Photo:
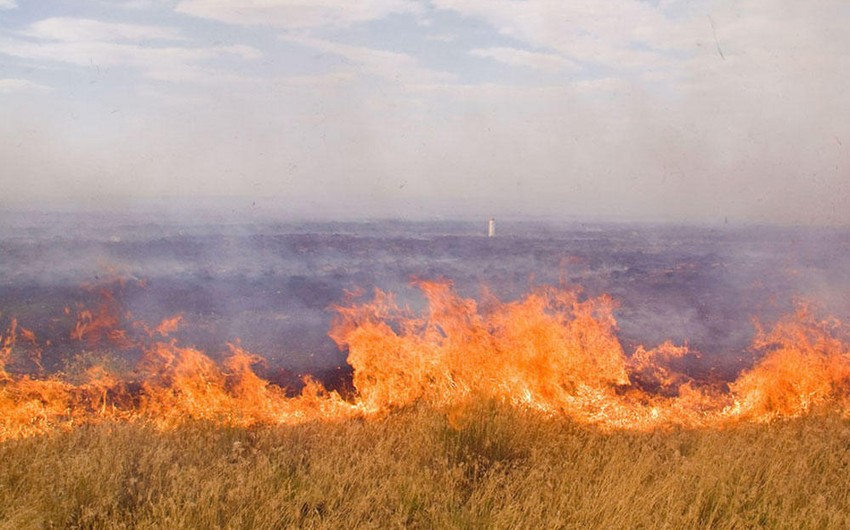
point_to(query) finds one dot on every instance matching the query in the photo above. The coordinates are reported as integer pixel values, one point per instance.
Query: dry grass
(498, 468)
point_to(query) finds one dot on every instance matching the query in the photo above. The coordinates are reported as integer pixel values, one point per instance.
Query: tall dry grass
(486, 467)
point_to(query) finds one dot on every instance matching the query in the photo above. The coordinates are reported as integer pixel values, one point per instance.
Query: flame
(15, 338)
(554, 351)
(7, 342)
(103, 324)
(168, 326)
(805, 365)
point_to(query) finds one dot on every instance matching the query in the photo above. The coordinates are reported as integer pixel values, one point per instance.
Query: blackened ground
(272, 287)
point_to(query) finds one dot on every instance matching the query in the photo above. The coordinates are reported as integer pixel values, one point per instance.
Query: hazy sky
(658, 109)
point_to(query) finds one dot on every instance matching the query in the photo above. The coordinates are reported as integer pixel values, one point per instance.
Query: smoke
(271, 285)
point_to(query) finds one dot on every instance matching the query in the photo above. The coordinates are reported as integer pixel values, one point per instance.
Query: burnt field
(273, 286)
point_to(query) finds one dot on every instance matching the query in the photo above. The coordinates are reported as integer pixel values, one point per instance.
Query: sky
(696, 111)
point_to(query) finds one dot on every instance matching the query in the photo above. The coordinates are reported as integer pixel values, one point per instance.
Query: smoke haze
(273, 286)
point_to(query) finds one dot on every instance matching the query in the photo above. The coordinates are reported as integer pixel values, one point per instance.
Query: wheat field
(488, 466)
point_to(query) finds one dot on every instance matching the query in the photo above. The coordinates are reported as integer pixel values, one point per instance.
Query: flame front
(553, 351)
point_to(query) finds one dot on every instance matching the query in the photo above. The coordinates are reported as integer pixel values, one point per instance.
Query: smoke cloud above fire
(682, 111)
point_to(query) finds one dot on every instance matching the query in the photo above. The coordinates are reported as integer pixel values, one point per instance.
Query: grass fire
(553, 352)
(453, 410)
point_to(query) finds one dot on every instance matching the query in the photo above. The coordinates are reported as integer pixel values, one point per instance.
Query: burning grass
(525, 414)
(554, 351)
(494, 466)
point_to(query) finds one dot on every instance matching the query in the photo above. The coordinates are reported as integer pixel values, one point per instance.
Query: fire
(539, 351)
(7, 342)
(101, 325)
(554, 351)
(806, 365)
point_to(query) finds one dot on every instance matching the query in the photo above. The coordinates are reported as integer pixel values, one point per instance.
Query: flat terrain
(272, 286)
(490, 467)
(415, 463)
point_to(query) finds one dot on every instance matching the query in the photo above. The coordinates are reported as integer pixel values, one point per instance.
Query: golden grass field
(488, 466)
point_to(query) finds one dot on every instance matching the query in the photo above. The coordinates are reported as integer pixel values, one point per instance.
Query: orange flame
(101, 325)
(7, 342)
(553, 351)
(806, 365)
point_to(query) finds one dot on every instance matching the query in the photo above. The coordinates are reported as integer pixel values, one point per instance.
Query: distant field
(271, 286)
(487, 467)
